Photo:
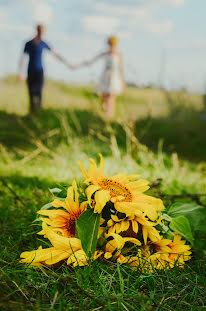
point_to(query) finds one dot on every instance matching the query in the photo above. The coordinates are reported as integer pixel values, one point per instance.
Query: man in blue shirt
(35, 73)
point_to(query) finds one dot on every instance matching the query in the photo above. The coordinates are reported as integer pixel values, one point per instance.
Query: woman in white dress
(111, 83)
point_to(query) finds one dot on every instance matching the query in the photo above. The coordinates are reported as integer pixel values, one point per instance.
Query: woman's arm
(122, 70)
(93, 60)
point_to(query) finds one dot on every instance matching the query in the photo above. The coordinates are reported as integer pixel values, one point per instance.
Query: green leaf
(196, 214)
(55, 190)
(182, 226)
(88, 227)
(46, 206)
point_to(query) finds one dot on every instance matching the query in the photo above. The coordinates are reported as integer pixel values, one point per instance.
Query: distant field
(156, 134)
(133, 104)
(154, 115)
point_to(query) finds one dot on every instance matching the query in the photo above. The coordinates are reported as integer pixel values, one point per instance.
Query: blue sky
(163, 41)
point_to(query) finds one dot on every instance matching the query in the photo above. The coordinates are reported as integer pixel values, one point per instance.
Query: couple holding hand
(110, 85)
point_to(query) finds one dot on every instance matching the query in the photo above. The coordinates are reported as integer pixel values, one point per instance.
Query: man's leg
(32, 103)
(35, 82)
(41, 84)
(31, 93)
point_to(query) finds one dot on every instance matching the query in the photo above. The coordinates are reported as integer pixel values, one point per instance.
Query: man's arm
(21, 75)
(62, 59)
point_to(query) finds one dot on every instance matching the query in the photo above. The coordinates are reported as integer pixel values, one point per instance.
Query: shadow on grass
(54, 127)
(21, 197)
(182, 131)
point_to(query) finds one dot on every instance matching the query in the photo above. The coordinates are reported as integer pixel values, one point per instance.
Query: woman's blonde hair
(112, 41)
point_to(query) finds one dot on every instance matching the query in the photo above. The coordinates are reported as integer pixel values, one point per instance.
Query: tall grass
(40, 152)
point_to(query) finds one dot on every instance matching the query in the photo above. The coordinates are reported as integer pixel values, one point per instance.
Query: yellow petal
(58, 203)
(78, 258)
(132, 240)
(118, 240)
(43, 255)
(101, 164)
(61, 242)
(111, 246)
(110, 223)
(83, 206)
(118, 198)
(124, 225)
(107, 255)
(139, 185)
(145, 234)
(118, 227)
(84, 173)
(90, 191)
(101, 198)
(132, 177)
(53, 213)
(115, 218)
(93, 169)
(135, 226)
(101, 230)
(58, 256)
(74, 185)
(128, 208)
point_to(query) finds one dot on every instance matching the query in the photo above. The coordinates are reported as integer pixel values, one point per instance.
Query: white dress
(111, 79)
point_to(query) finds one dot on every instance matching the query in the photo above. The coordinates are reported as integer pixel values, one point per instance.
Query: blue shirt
(35, 55)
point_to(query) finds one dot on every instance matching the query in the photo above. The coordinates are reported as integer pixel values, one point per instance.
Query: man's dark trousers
(35, 83)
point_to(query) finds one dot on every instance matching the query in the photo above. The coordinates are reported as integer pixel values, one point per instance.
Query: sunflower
(125, 192)
(136, 262)
(166, 253)
(116, 244)
(131, 226)
(62, 248)
(64, 221)
(179, 252)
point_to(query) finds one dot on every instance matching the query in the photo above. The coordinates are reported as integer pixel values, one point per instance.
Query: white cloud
(160, 4)
(192, 44)
(101, 24)
(138, 12)
(15, 28)
(3, 13)
(163, 27)
(42, 12)
(132, 19)
(175, 3)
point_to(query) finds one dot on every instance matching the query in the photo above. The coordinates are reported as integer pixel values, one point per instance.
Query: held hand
(21, 77)
(86, 63)
(72, 67)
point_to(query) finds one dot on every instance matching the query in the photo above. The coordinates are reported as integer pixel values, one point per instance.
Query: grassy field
(159, 135)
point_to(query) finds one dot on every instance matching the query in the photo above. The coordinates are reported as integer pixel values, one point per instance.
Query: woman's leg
(104, 100)
(110, 105)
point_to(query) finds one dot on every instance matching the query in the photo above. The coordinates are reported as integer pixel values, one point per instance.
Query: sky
(163, 42)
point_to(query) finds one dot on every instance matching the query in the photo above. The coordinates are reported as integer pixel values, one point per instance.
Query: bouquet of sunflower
(110, 218)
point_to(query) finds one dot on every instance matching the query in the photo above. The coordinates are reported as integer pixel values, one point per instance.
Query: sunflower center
(129, 232)
(116, 189)
(71, 227)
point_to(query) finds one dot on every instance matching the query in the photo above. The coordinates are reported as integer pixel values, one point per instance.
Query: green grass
(155, 134)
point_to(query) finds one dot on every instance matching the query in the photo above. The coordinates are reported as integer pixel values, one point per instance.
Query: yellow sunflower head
(63, 218)
(179, 252)
(124, 192)
(62, 248)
